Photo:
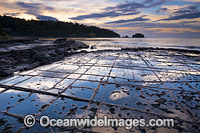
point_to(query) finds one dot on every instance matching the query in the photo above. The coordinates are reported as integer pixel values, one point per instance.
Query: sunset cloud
(141, 18)
(151, 16)
(172, 30)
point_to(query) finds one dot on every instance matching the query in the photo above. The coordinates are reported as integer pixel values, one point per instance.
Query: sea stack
(138, 35)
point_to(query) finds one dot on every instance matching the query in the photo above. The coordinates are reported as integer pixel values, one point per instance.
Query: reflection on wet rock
(119, 94)
(119, 84)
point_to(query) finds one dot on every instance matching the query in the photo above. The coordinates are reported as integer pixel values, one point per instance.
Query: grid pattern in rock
(119, 84)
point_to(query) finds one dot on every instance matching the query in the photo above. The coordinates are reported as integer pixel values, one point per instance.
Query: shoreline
(41, 59)
(43, 51)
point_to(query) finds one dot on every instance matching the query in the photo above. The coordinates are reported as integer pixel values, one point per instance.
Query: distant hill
(34, 28)
(2, 33)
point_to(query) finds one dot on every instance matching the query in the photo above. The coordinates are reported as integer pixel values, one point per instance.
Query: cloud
(127, 28)
(130, 20)
(162, 10)
(34, 6)
(189, 0)
(121, 9)
(31, 6)
(159, 2)
(46, 18)
(184, 24)
(187, 9)
(120, 15)
(172, 30)
(180, 12)
(49, 8)
(184, 16)
(148, 1)
(128, 8)
(12, 14)
(103, 14)
(36, 10)
(169, 9)
(175, 9)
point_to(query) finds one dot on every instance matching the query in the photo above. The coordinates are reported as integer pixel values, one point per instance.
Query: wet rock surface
(126, 84)
(21, 57)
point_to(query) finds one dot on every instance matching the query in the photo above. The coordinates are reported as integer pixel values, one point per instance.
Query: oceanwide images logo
(45, 121)
(29, 121)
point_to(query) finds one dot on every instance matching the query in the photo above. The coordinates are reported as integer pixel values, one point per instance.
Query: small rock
(93, 47)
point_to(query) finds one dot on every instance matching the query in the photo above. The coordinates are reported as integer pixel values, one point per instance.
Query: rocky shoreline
(26, 59)
(38, 52)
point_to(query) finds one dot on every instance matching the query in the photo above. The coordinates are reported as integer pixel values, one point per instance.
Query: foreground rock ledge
(25, 59)
(154, 84)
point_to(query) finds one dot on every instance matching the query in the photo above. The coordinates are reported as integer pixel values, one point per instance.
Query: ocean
(118, 43)
(180, 43)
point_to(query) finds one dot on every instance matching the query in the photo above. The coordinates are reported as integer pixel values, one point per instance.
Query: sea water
(180, 43)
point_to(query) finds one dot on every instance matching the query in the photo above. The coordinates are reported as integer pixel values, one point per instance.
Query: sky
(154, 18)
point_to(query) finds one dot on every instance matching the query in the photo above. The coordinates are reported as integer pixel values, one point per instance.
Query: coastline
(36, 54)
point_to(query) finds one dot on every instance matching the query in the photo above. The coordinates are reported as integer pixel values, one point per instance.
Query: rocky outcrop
(125, 36)
(19, 60)
(138, 35)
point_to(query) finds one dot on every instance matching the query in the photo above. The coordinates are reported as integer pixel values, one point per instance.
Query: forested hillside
(34, 28)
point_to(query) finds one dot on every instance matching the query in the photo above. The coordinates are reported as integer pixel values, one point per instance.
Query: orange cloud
(123, 28)
(172, 30)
